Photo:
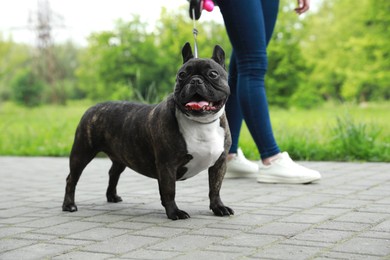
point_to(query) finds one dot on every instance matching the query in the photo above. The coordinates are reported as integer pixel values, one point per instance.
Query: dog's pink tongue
(197, 105)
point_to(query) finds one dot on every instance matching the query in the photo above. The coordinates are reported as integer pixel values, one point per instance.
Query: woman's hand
(303, 6)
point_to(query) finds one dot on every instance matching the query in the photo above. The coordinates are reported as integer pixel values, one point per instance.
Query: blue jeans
(249, 24)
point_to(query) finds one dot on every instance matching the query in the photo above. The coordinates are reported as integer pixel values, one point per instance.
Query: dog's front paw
(114, 198)
(222, 211)
(173, 212)
(69, 207)
(178, 214)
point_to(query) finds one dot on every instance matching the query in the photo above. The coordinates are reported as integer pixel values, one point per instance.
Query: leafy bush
(27, 89)
(305, 97)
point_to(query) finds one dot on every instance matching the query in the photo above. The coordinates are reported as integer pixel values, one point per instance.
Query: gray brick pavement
(345, 216)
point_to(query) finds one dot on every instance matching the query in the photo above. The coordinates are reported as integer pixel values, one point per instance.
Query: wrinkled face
(201, 85)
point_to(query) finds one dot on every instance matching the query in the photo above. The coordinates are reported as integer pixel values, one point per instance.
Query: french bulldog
(171, 141)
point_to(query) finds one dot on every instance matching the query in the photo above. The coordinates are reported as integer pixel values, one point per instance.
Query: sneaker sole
(281, 180)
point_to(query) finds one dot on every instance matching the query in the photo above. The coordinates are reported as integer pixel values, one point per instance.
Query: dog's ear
(219, 55)
(187, 52)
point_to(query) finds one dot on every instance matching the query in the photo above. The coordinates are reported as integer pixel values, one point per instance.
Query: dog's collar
(195, 119)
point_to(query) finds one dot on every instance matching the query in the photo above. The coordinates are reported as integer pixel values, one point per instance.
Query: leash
(195, 33)
(196, 7)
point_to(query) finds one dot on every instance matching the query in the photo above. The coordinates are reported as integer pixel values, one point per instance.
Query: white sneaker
(240, 167)
(285, 170)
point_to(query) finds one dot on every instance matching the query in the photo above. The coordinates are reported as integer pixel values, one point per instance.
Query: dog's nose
(196, 81)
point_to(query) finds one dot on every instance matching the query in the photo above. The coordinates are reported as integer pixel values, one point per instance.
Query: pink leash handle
(197, 6)
(208, 5)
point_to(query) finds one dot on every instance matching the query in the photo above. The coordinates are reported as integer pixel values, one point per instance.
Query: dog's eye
(182, 75)
(213, 74)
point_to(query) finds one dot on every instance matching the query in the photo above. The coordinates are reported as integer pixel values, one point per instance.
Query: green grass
(332, 132)
(39, 131)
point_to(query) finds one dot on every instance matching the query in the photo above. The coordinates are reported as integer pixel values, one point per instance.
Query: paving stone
(324, 235)
(82, 255)
(344, 226)
(242, 250)
(82, 213)
(344, 216)
(69, 228)
(269, 199)
(185, 243)
(385, 201)
(363, 217)
(133, 210)
(121, 245)
(17, 211)
(376, 208)
(106, 218)
(35, 236)
(343, 203)
(383, 227)
(251, 219)
(346, 256)
(296, 242)
(281, 229)
(37, 251)
(46, 222)
(249, 240)
(228, 226)
(287, 252)
(215, 232)
(98, 234)
(9, 244)
(307, 201)
(130, 225)
(375, 234)
(15, 220)
(269, 211)
(155, 218)
(329, 212)
(145, 254)
(193, 223)
(208, 255)
(366, 246)
(162, 232)
(71, 242)
(12, 231)
(304, 218)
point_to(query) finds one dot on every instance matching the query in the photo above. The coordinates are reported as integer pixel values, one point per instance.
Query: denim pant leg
(250, 25)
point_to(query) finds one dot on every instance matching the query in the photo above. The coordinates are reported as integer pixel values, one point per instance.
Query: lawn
(40, 131)
(332, 132)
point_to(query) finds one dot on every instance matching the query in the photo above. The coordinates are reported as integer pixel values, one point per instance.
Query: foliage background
(338, 54)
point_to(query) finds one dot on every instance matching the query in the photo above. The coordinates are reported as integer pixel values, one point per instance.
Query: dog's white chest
(205, 142)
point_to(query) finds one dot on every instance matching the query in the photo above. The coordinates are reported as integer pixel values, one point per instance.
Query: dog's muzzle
(198, 98)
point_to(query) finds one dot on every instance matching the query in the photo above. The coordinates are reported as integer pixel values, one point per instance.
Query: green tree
(27, 88)
(347, 47)
(286, 64)
(115, 62)
(133, 62)
(13, 58)
(67, 63)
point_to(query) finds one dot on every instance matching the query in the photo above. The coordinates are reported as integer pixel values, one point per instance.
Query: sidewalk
(345, 216)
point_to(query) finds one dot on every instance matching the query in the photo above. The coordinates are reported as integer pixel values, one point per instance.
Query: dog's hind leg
(79, 158)
(114, 173)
